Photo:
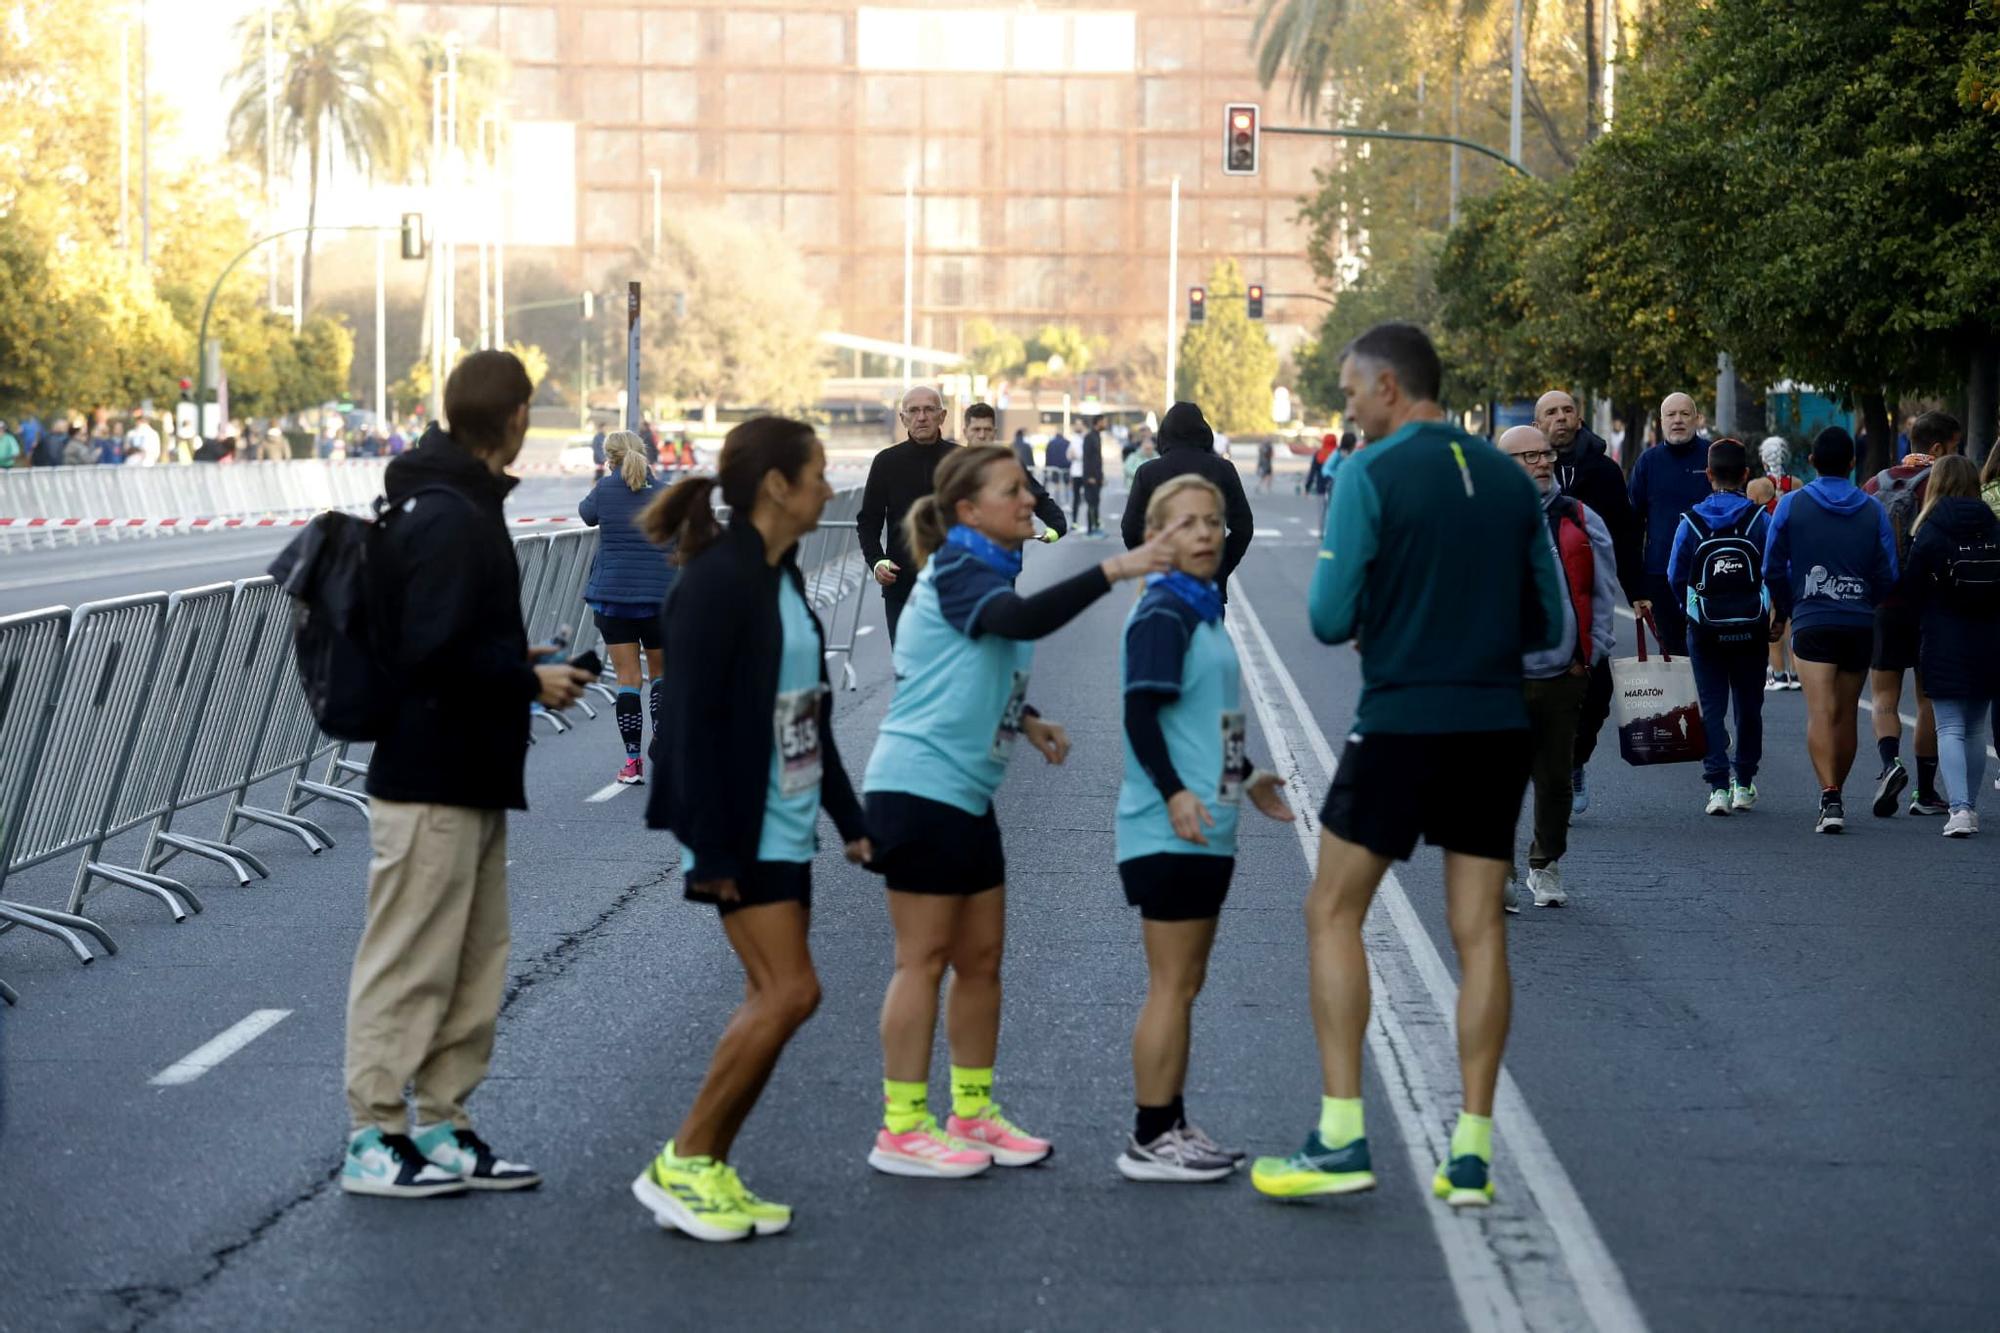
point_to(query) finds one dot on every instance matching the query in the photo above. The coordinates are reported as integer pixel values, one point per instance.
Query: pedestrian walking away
(1187, 773)
(1902, 490)
(1585, 471)
(960, 704)
(424, 995)
(1187, 446)
(1716, 571)
(1667, 481)
(1952, 582)
(1555, 683)
(1266, 461)
(1829, 560)
(743, 761)
(1093, 475)
(1055, 464)
(629, 579)
(1447, 539)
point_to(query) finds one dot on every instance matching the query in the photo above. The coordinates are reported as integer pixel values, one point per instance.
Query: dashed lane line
(219, 1048)
(1536, 1259)
(606, 792)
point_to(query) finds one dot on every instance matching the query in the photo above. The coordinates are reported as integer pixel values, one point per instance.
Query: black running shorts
(1844, 647)
(926, 846)
(765, 882)
(642, 630)
(1460, 791)
(1177, 886)
(1898, 633)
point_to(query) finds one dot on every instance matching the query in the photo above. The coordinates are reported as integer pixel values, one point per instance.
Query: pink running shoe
(926, 1151)
(996, 1134)
(633, 774)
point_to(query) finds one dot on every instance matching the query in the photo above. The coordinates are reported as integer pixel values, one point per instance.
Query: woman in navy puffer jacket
(628, 584)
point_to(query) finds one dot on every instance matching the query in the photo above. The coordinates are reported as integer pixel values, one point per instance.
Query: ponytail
(685, 515)
(959, 477)
(626, 452)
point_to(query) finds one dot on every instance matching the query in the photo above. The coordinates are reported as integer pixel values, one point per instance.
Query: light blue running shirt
(791, 794)
(957, 711)
(1169, 650)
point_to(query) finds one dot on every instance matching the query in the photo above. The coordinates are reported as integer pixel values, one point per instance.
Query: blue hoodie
(1667, 481)
(1831, 556)
(1723, 509)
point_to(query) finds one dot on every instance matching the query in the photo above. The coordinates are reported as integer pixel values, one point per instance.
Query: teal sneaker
(390, 1166)
(1315, 1169)
(1464, 1182)
(465, 1154)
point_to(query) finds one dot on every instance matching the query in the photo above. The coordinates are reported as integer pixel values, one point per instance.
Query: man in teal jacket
(1437, 564)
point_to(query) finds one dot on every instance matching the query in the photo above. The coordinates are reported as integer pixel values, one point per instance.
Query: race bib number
(1230, 790)
(1010, 719)
(796, 722)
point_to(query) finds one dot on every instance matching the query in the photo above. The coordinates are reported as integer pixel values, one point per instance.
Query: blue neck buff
(1202, 597)
(985, 549)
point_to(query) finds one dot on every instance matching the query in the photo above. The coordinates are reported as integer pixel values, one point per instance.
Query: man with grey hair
(1669, 479)
(1557, 680)
(899, 476)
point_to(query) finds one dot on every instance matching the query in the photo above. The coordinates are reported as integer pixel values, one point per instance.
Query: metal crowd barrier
(177, 491)
(131, 713)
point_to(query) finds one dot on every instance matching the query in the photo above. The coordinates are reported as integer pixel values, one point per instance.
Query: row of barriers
(302, 486)
(136, 712)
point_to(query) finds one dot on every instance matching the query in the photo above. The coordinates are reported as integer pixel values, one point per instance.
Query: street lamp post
(654, 172)
(1514, 111)
(1173, 290)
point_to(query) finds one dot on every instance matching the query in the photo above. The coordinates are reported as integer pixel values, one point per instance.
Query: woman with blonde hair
(629, 580)
(1952, 580)
(962, 660)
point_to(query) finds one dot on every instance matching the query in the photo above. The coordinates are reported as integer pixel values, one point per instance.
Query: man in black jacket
(1186, 444)
(1585, 472)
(425, 991)
(904, 473)
(1092, 489)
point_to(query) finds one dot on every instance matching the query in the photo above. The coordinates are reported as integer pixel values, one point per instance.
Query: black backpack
(1971, 574)
(1727, 582)
(336, 574)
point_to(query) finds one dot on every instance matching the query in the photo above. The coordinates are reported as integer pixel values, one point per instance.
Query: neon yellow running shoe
(769, 1218)
(1464, 1182)
(692, 1194)
(1315, 1169)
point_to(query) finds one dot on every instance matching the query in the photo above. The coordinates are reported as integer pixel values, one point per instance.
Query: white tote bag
(1657, 708)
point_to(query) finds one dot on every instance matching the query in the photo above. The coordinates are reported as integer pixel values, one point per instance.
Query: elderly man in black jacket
(1186, 444)
(424, 994)
(1585, 472)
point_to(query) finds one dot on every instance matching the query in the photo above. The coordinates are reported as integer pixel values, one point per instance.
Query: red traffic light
(1240, 139)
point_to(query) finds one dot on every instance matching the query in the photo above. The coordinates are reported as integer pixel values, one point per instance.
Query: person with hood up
(1829, 560)
(1953, 583)
(1584, 472)
(1667, 481)
(1187, 445)
(1716, 570)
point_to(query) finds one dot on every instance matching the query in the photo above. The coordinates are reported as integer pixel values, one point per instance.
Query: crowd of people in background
(142, 438)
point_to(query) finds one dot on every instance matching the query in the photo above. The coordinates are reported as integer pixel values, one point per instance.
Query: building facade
(1041, 140)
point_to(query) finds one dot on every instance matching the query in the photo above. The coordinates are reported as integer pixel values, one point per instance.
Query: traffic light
(1239, 139)
(1255, 297)
(413, 235)
(1197, 304)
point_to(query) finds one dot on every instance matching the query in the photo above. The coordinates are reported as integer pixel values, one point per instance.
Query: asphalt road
(1750, 1072)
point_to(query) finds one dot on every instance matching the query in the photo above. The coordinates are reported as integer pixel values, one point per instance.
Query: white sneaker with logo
(1962, 824)
(1547, 886)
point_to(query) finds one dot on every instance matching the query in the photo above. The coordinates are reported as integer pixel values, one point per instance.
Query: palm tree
(342, 86)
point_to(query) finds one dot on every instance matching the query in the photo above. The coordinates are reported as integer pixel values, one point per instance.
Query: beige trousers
(425, 991)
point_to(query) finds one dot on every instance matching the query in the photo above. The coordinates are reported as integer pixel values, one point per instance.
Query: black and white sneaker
(1832, 816)
(390, 1166)
(1174, 1156)
(465, 1154)
(1889, 786)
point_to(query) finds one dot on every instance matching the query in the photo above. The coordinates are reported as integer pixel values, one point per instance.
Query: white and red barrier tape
(204, 524)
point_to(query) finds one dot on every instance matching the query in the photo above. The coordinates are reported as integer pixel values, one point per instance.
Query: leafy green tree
(996, 353)
(1405, 291)
(343, 80)
(1227, 364)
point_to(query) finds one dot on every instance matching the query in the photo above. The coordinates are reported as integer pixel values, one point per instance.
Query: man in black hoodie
(1585, 472)
(424, 994)
(1186, 444)
(1093, 475)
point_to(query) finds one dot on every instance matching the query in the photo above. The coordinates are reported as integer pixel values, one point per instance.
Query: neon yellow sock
(1339, 1121)
(1473, 1137)
(971, 1091)
(904, 1105)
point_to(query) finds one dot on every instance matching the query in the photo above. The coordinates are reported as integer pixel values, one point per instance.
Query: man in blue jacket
(1668, 480)
(1716, 571)
(1830, 561)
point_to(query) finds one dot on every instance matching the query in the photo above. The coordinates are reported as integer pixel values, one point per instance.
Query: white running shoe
(1743, 796)
(1718, 801)
(1547, 886)
(1962, 824)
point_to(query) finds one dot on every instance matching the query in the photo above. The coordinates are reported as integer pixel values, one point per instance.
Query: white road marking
(865, 629)
(1866, 702)
(1570, 1280)
(606, 792)
(212, 1053)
